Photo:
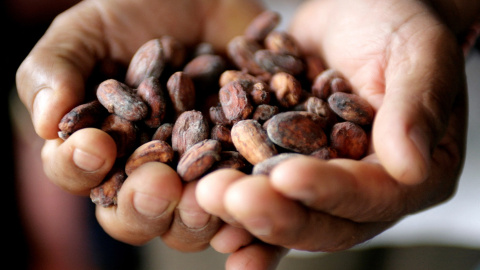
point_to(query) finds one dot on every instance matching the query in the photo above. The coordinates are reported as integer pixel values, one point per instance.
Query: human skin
(382, 54)
(405, 58)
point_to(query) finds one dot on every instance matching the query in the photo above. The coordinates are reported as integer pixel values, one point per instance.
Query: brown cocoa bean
(349, 140)
(148, 61)
(266, 166)
(152, 151)
(231, 160)
(281, 42)
(151, 92)
(241, 51)
(85, 115)
(217, 116)
(313, 66)
(181, 90)
(262, 25)
(190, 128)
(105, 194)
(300, 132)
(328, 82)
(205, 71)
(251, 141)
(222, 134)
(287, 89)
(163, 132)
(325, 153)
(174, 51)
(234, 75)
(235, 102)
(352, 108)
(273, 62)
(123, 132)
(320, 107)
(198, 159)
(120, 99)
(264, 112)
(259, 93)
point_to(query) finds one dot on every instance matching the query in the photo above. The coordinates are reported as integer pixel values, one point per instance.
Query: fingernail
(40, 102)
(194, 219)
(87, 161)
(261, 226)
(148, 205)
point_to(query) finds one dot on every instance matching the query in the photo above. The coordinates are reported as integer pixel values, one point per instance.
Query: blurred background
(52, 230)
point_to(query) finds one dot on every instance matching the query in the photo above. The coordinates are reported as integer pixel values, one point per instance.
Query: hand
(402, 58)
(52, 80)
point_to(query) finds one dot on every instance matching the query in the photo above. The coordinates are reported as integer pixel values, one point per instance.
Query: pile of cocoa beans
(260, 103)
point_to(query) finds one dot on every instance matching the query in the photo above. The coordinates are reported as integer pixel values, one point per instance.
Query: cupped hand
(53, 79)
(408, 64)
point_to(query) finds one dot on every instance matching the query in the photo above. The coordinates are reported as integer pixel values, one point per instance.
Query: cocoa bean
(262, 25)
(352, 108)
(123, 132)
(148, 61)
(105, 194)
(151, 92)
(85, 115)
(251, 141)
(157, 151)
(182, 92)
(235, 102)
(349, 140)
(287, 89)
(198, 159)
(190, 128)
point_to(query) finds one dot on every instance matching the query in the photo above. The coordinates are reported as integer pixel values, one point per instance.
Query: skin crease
(391, 58)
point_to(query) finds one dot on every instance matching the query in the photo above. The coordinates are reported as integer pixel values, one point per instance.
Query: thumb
(423, 78)
(51, 80)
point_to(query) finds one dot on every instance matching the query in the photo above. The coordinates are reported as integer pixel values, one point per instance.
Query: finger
(356, 190)
(192, 228)
(288, 223)
(257, 256)
(146, 202)
(230, 239)
(424, 78)
(51, 80)
(81, 162)
(211, 190)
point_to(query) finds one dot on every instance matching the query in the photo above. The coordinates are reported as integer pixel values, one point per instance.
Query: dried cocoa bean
(349, 140)
(151, 92)
(182, 92)
(235, 102)
(123, 132)
(300, 132)
(287, 89)
(320, 107)
(262, 25)
(163, 132)
(231, 160)
(252, 142)
(328, 82)
(241, 52)
(121, 100)
(325, 153)
(352, 108)
(157, 151)
(85, 115)
(174, 52)
(217, 116)
(148, 61)
(205, 71)
(273, 62)
(190, 128)
(105, 194)
(222, 134)
(198, 159)
(313, 66)
(266, 166)
(234, 75)
(281, 42)
(264, 112)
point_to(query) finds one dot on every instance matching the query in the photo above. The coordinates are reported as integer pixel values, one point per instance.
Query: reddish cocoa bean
(181, 90)
(148, 61)
(264, 112)
(205, 70)
(235, 102)
(152, 151)
(300, 132)
(163, 132)
(190, 128)
(266, 166)
(328, 82)
(276, 62)
(281, 42)
(262, 25)
(85, 115)
(241, 52)
(121, 100)
(222, 134)
(174, 51)
(105, 194)
(287, 89)
(313, 66)
(123, 132)
(352, 108)
(349, 140)
(231, 160)
(325, 153)
(198, 159)
(151, 92)
(217, 116)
